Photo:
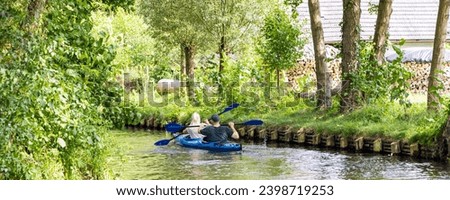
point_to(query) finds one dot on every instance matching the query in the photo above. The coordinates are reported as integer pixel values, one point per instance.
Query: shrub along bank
(57, 94)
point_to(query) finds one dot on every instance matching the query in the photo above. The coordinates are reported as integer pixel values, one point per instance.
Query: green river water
(139, 159)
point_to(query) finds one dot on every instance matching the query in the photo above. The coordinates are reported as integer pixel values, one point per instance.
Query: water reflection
(262, 161)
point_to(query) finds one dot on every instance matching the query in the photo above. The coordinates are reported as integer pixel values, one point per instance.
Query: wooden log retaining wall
(307, 136)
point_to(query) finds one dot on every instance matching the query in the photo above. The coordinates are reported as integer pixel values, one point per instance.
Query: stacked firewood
(421, 71)
(307, 69)
(418, 82)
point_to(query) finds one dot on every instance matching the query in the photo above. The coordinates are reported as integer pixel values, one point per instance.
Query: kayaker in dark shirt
(217, 133)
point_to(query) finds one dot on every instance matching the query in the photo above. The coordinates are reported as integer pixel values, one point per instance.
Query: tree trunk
(268, 88)
(434, 80)
(182, 61)
(221, 61)
(221, 53)
(35, 8)
(278, 80)
(223, 6)
(189, 52)
(323, 78)
(350, 39)
(381, 29)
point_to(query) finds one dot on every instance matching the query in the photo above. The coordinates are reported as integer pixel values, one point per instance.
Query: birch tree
(323, 78)
(434, 80)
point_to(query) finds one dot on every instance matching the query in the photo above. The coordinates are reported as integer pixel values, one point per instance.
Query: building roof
(412, 20)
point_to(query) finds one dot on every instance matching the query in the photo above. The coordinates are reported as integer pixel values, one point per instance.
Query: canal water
(139, 159)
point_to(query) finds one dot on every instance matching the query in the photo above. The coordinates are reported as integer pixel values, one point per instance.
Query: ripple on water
(262, 161)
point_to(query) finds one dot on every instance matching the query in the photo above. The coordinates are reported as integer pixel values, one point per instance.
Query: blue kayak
(198, 143)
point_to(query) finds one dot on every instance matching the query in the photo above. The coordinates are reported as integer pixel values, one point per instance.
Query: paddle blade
(173, 127)
(162, 142)
(255, 122)
(230, 107)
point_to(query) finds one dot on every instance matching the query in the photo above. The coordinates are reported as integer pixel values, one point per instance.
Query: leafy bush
(58, 96)
(374, 81)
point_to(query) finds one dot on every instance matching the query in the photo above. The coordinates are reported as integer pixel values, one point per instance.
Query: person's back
(216, 134)
(194, 131)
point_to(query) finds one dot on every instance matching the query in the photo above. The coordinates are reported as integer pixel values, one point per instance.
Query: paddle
(230, 107)
(174, 127)
(178, 127)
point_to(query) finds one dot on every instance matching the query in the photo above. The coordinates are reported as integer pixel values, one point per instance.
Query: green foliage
(280, 43)
(241, 80)
(293, 4)
(118, 4)
(176, 22)
(128, 33)
(236, 21)
(11, 14)
(429, 128)
(380, 119)
(373, 81)
(58, 93)
(373, 8)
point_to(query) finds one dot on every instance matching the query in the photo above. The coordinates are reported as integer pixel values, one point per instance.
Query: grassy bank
(381, 120)
(386, 120)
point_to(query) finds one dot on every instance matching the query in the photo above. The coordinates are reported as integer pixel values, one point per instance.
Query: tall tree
(179, 23)
(231, 23)
(434, 80)
(129, 34)
(350, 38)
(280, 43)
(381, 29)
(323, 78)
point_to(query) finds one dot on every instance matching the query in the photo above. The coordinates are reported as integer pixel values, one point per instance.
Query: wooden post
(414, 149)
(241, 131)
(274, 134)
(262, 133)
(359, 144)
(330, 141)
(395, 148)
(343, 142)
(301, 136)
(316, 139)
(378, 145)
(288, 135)
(251, 132)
